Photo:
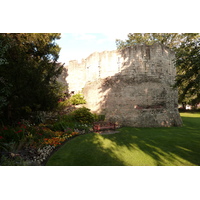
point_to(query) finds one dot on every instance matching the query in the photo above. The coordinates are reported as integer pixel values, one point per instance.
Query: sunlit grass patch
(175, 146)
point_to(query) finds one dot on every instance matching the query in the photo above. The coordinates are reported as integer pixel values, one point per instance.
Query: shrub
(15, 161)
(77, 99)
(39, 117)
(83, 115)
(63, 104)
(60, 126)
(68, 123)
(98, 117)
(65, 122)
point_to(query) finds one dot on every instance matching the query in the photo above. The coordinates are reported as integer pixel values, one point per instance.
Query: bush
(15, 161)
(64, 122)
(62, 125)
(83, 116)
(99, 117)
(77, 99)
(71, 122)
(63, 104)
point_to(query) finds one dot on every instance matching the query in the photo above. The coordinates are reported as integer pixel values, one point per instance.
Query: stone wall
(97, 65)
(132, 87)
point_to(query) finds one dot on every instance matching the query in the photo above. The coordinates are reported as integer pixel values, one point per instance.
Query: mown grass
(175, 146)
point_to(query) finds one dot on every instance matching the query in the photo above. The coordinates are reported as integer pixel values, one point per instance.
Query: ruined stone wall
(76, 76)
(132, 87)
(97, 65)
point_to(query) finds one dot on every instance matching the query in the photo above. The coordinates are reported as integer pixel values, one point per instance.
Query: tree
(172, 40)
(31, 71)
(4, 85)
(188, 72)
(187, 61)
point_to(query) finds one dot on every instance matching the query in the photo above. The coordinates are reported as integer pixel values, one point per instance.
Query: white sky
(76, 46)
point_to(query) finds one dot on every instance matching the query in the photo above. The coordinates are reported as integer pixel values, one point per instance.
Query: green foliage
(4, 46)
(171, 40)
(5, 91)
(80, 119)
(65, 123)
(63, 104)
(39, 117)
(98, 117)
(15, 161)
(83, 115)
(77, 99)
(29, 73)
(5, 87)
(188, 72)
(12, 134)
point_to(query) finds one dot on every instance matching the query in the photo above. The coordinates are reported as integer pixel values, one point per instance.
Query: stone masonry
(132, 87)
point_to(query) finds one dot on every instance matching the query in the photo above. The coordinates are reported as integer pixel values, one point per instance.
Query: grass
(175, 146)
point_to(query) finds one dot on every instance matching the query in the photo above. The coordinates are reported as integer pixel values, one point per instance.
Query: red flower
(23, 126)
(19, 131)
(1, 137)
(5, 128)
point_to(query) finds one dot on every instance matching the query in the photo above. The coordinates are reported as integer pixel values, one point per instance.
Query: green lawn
(176, 146)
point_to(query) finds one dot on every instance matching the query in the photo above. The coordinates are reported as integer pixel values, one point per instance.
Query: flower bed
(26, 144)
(30, 144)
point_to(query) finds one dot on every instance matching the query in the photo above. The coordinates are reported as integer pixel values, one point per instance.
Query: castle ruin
(132, 87)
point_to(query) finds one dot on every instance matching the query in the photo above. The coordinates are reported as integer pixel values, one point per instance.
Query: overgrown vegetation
(77, 99)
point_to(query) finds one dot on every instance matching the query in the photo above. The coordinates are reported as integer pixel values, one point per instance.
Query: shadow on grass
(177, 146)
(167, 146)
(85, 150)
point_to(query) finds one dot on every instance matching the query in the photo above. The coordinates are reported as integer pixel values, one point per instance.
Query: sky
(77, 46)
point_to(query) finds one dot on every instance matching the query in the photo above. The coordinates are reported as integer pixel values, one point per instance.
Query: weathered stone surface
(132, 87)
